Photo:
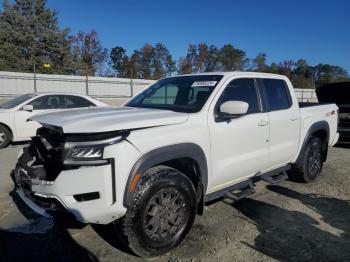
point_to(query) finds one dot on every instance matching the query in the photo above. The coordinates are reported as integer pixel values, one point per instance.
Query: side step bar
(243, 189)
(242, 192)
(275, 178)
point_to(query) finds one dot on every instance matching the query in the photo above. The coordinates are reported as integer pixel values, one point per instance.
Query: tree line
(31, 37)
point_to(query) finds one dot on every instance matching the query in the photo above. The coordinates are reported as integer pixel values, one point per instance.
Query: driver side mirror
(28, 108)
(232, 109)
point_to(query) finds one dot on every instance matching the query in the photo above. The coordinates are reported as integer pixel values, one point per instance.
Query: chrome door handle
(263, 123)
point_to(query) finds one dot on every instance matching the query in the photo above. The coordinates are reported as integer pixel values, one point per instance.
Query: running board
(245, 188)
(241, 193)
(274, 178)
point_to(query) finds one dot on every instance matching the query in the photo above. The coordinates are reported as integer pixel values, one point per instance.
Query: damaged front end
(51, 171)
(39, 163)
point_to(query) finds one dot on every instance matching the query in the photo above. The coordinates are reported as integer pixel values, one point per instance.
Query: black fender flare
(318, 126)
(167, 153)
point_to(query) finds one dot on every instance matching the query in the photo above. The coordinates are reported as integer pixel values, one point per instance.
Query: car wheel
(309, 166)
(5, 137)
(162, 212)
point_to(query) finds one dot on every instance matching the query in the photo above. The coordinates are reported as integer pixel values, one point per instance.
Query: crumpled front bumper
(86, 192)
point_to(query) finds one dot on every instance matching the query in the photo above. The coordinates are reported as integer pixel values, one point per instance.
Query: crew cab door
(239, 146)
(284, 115)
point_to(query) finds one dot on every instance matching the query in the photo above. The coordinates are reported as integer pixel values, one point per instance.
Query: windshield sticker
(203, 83)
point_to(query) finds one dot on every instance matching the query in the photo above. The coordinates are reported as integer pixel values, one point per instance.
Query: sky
(317, 30)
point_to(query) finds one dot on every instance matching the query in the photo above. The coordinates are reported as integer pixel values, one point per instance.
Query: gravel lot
(288, 222)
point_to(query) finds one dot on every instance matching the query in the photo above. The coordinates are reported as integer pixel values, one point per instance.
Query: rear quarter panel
(314, 114)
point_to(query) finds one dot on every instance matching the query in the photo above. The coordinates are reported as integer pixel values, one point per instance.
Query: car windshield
(16, 101)
(181, 94)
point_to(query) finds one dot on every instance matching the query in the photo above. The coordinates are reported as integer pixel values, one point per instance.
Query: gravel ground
(285, 222)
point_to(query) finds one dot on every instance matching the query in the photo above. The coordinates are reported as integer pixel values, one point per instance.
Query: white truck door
(239, 147)
(284, 115)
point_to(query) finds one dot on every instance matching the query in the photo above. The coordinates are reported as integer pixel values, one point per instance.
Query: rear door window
(277, 94)
(76, 102)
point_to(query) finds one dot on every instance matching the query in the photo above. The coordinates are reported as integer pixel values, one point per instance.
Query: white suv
(150, 166)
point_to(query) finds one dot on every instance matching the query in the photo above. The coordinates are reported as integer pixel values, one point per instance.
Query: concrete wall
(13, 84)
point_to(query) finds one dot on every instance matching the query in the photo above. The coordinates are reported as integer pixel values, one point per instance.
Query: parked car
(338, 93)
(149, 167)
(14, 113)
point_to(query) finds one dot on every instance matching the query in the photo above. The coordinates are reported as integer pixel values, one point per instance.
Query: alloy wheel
(166, 215)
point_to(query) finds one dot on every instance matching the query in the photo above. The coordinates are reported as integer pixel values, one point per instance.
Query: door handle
(263, 123)
(293, 118)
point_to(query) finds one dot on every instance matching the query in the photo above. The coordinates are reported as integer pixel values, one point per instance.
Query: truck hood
(106, 119)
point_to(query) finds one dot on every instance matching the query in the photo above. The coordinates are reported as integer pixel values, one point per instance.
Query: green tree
(184, 66)
(145, 57)
(302, 75)
(259, 62)
(273, 68)
(133, 65)
(149, 62)
(325, 73)
(89, 53)
(232, 59)
(286, 68)
(191, 57)
(303, 68)
(120, 61)
(163, 63)
(29, 34)
(203, 58)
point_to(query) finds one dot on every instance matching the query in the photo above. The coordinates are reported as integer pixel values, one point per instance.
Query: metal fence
(14, 84)
(306, 95)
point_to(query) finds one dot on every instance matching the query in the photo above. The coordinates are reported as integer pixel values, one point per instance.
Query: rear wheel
(309, 165)
(161, 214)
(5, 136)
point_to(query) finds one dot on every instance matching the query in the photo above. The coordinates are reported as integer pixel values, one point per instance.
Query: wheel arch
(178, 156)
(321, 130)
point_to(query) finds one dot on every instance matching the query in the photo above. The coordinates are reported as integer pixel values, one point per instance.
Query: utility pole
(86, 80)
(33, 55)
(34, 69)
(131, 85)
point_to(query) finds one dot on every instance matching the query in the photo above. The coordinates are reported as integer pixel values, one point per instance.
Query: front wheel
(162, 212)
(309, 166)
(5, 137)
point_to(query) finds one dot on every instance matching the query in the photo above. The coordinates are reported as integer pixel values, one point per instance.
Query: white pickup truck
(150, 166)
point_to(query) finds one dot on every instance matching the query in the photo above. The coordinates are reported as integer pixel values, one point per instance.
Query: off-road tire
(5, 138)
(171, 196)
(310, 162)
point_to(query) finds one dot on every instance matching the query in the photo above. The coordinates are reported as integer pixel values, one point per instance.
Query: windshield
(181, 94)
(16, 101)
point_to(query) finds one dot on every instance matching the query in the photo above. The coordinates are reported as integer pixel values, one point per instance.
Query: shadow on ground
(40, 240)
(294, 236)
